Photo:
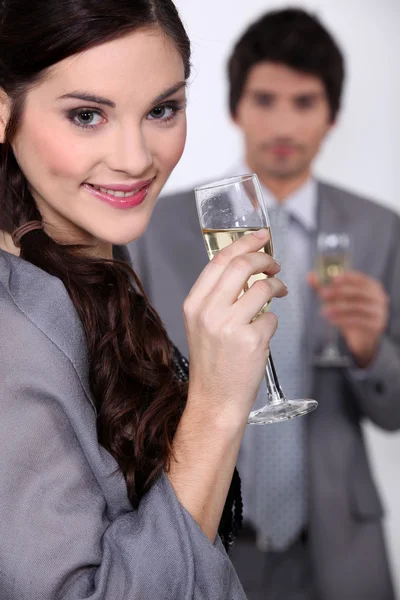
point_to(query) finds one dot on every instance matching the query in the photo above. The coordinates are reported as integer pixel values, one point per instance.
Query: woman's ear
(5, 104)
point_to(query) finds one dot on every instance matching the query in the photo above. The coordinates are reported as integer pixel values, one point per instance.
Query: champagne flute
(228, 210)
(332, 259)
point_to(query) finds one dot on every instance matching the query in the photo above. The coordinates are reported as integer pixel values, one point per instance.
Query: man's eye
(263, 100)
(306, 102)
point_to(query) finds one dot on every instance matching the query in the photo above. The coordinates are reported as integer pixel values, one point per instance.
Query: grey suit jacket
(345, 510)
(67, 529)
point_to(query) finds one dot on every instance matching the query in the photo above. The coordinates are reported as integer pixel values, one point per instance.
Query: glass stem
(274, 390)
(332, 339)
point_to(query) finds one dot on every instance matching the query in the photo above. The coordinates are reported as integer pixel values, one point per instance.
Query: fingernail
(277, 262)
(260, 233)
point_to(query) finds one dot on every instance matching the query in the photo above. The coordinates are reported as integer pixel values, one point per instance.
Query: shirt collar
(300, 204)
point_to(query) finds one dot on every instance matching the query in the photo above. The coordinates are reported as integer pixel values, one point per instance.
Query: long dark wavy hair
(139, 398)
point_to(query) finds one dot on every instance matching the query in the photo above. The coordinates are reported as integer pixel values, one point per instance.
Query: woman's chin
(122, 238)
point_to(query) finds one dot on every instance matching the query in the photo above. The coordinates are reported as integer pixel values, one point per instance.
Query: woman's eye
(162, 113)
(87, 118)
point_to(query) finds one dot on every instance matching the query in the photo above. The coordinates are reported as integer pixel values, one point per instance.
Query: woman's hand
(228, 349)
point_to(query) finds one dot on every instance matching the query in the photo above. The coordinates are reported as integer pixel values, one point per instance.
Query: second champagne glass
(228, 210)
(332, 259)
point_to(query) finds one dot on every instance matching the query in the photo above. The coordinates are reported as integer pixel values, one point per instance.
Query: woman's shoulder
(36, 305)
(16, 274)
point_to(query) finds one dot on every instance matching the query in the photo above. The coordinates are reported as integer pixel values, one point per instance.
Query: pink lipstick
(120, 195)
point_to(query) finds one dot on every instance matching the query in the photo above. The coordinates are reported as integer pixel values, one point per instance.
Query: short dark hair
(296, 39)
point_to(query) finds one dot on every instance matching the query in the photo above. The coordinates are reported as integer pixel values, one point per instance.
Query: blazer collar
(44, 300)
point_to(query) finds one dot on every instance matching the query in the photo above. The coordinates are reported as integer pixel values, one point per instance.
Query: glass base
(282, 411)
(333, 361)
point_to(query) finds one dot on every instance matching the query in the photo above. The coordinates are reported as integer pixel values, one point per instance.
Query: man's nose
(284, 121)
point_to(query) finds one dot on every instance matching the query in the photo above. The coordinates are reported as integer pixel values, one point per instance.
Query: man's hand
(359, 307)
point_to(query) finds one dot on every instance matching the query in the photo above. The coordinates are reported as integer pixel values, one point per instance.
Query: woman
(113, 472)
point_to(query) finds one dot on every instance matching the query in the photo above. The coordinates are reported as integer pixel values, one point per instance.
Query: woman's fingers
(254, 300)
(238, 272)
(264, 328)
(212, 272)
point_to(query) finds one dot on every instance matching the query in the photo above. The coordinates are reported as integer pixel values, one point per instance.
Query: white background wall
(363, 153)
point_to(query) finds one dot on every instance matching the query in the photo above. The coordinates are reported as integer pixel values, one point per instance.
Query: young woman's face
(101, 134)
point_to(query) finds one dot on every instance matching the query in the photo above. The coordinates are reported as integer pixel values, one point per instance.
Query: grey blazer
(347, 544)
(67, 529)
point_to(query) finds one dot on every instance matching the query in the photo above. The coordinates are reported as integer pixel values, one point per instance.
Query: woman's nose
(129, 153)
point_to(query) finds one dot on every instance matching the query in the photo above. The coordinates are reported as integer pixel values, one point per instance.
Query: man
(313, 515)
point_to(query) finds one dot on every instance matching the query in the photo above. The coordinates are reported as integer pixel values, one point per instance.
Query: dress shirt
(302, 208)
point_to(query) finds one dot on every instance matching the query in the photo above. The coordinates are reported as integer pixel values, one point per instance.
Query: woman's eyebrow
(172, 90)
(87, 97)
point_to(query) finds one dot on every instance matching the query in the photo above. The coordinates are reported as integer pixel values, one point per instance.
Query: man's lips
(283, 150)
(281, 147)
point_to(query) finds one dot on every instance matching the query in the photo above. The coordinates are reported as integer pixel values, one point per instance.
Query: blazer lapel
(51, 311)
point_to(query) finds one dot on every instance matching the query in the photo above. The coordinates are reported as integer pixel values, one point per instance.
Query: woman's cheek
(169, 148)
(48, 151)
(180, 143)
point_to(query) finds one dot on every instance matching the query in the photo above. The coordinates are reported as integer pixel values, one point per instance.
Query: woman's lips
(120, 195)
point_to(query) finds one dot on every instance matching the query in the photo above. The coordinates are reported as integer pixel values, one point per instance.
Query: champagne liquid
(331, 265)
(217, 239)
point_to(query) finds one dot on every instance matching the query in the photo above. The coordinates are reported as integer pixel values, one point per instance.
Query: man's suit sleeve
(378, 391)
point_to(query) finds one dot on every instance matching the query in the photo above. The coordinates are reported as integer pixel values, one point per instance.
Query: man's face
(284, 115)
